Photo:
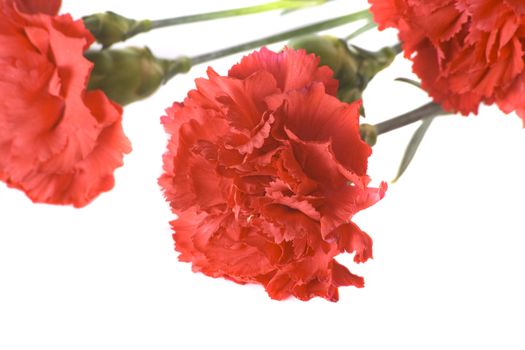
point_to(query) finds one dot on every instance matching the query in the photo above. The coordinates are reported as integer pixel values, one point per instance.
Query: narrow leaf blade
(409, 81)
(413, 146)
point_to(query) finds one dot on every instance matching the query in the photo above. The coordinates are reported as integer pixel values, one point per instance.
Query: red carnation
(58, 142)
(465, 51)
(265, 168)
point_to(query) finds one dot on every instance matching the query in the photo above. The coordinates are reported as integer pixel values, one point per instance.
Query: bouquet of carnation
(253, 127)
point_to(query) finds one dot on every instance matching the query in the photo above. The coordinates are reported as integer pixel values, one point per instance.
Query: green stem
(271, 6)
(431, 109)
(361, 30)
(309, 29)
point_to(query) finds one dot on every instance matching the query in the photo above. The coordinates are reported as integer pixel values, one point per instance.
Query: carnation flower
(59, 143)
(466, 52)
(265, 169)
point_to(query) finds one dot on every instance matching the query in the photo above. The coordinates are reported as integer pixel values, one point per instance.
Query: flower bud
(131, 74)
(109, 28)
(332, 51)
(371, 63)
(352, 66)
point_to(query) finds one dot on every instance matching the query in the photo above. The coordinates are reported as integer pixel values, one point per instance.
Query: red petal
(291, 172)
(343, 277)
(512, 98)
(313, 115)
(488, 14)
(517, 5)
(185, 228)
(191, 172)
(202, 240)
(352, 239)
(63, 179)
(293, 223)
(61, 144)
(441, 23)
(49, 7)
(344, 202)
(386, 12)
(292, 69)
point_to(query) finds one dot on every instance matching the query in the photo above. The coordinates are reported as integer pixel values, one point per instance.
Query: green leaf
(409, 81)
(412, 146)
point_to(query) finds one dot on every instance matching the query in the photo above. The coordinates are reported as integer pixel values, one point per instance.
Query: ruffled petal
(352, 239)
(312, 115)
(293, 70)
(60, 144)
(466, 52)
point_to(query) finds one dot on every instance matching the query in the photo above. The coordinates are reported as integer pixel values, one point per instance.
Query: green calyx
(109, 28)
(132, 74)
(368, 134)
(331, 50)
(353, 67)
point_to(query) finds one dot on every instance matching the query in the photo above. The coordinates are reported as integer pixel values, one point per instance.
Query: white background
(448, 237)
